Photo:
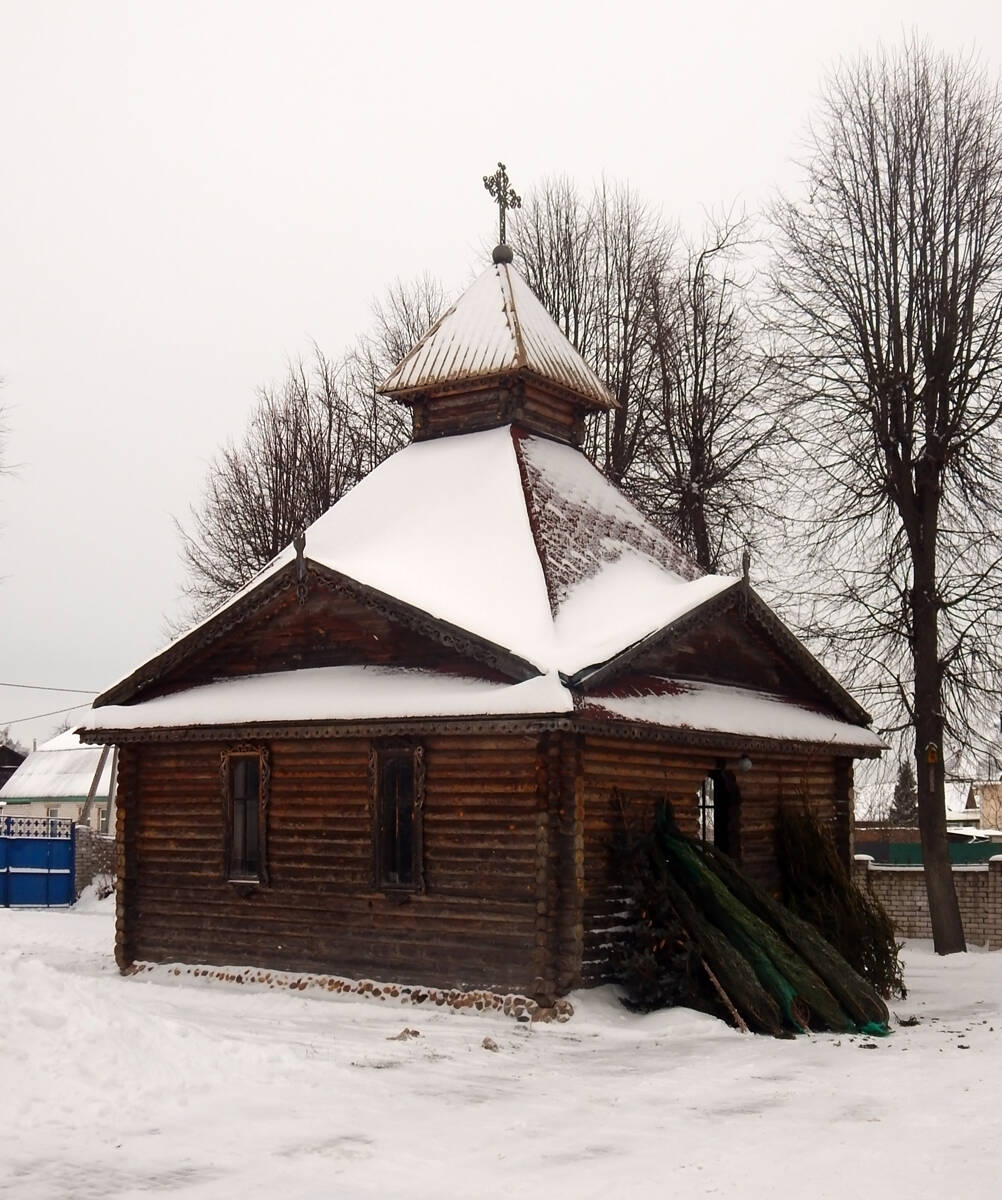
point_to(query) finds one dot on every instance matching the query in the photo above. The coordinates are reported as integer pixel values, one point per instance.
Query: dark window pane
(244, 793)
(239, 835)
(396, 819)
(252, 841)
(245, 778)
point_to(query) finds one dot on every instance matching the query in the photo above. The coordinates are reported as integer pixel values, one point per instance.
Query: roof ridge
(518, 436)
(514, 321)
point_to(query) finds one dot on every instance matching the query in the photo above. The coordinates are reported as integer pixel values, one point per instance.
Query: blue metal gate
(36, 862)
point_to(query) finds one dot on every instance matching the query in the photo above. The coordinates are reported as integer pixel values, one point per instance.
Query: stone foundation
(520, 1008)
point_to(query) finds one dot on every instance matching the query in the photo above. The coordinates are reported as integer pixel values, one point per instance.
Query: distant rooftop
(60, 769)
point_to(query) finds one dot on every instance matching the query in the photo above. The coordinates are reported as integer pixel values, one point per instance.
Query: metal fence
(36, 862)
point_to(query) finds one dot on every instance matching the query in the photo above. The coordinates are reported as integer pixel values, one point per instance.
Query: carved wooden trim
(370, 799)
(415, 750)
(403, 727)
(711, 739)
(594, 676)
(213, 629)
(263, 755)
(452, 637)
(423, 393)
(741, 599)
(419, 778)
(418, 831)
(640, 731)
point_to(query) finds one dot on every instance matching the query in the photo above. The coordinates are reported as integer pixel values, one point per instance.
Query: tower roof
(496, 328)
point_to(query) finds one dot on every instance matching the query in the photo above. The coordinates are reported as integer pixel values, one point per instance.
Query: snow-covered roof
(520, 542)
(355, 693)
(963, 816)
(957, 792)
(496, 327)
(516, 539)
(337, 694)
(708, 707)
(60, 768)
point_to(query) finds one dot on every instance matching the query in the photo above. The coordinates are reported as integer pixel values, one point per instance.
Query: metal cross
(503, 193)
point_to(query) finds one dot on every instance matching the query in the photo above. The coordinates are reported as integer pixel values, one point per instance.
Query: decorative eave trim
(450, 636)
(787, 641)
(740, 597)
(640, 731)
(202, 635)
(713, 739)
(309, 730)
(598, 674)
(477, 383)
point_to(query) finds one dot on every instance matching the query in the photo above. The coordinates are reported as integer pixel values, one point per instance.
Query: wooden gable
(733, 639)
(318, 619)
(327, 629)
(727, 650)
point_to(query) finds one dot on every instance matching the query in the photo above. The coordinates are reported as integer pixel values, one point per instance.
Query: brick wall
(94, 855)
(901, 890)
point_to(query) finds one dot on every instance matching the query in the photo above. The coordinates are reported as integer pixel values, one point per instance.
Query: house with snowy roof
(11, 758)
(64, 779)
(403, 750)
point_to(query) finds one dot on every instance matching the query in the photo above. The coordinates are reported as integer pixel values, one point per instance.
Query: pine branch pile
(818, 887)
(707, 937)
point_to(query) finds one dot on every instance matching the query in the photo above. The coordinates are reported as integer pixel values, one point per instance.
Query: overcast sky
(191, 192)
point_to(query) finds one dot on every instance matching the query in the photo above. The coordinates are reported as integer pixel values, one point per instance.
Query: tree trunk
(944, 910)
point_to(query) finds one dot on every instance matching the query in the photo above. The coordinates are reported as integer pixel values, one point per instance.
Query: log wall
(642, 774)
(517, 401)
(477, 924)
(521, 888)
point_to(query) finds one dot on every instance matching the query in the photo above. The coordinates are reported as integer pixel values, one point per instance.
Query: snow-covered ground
(117, 1087)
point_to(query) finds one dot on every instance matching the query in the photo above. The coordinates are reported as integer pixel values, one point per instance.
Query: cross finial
(504, 194)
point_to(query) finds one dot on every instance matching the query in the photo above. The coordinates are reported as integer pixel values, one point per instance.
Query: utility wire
(37, 687)
(38, 716)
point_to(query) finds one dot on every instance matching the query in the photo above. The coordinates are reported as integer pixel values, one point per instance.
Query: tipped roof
(497, 327)
(61, 768)
(518, 542)
(515, 539)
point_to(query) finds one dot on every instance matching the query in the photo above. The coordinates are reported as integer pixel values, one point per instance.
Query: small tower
(497, 357)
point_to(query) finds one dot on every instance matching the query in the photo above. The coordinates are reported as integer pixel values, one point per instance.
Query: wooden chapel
(394, 754)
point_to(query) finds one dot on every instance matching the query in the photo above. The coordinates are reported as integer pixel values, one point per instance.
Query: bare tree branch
(888, 284)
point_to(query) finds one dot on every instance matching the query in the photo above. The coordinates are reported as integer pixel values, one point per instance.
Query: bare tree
(298, 455)
(306, 444)
(889, 279)
(595, 265)
(670, 334)
(402, 318)
(714, 420)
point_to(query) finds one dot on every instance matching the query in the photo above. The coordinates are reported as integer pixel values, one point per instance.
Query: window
(706, 798)
(398, 800)
(718, 801)
(245, 778)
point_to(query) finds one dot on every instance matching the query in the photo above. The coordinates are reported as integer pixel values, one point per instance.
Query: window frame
(706, 810)
(725, 807)
(226, 761)
(380, 756)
